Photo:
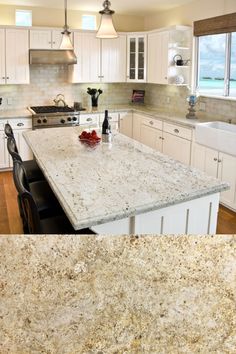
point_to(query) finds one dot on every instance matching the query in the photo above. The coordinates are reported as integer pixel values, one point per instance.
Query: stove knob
(63, 121)
(69, 119)
(39, 121)
(74, 119)
(44, 120)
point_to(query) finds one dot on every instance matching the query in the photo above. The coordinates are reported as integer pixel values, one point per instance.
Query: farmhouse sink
(219, 136)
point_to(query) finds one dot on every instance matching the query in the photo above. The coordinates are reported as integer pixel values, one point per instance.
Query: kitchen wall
(48, 81)
(186, 14)
(55, 18)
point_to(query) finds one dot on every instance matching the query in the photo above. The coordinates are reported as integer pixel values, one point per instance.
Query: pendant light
(106, 29)
(66, 41)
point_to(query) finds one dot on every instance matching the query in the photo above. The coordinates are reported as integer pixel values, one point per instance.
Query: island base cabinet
(198, 216)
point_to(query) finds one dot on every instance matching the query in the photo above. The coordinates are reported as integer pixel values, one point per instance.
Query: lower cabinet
(19, 126)
(126, 123)
(178, 148)
(218, 165)
(4, 156)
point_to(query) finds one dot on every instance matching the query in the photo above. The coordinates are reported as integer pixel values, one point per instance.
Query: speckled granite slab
(90, 295)
(113, 181)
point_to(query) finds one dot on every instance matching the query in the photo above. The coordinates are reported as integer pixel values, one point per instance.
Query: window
(212, 64)
(89, 22)
(23, 18)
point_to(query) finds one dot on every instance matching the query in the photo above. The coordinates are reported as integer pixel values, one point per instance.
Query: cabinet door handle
(151, 122)
(160, 137)
(176, 131)
(215, 159)
(219, 161)
(3, 78)
(20, 124)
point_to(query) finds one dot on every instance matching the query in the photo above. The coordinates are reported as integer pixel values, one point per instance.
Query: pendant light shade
(66, 41)
(106, 29)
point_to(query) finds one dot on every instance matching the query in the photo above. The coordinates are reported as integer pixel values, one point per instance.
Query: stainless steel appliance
(53, 116)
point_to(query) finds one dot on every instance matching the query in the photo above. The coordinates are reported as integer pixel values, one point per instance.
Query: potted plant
(94, 93)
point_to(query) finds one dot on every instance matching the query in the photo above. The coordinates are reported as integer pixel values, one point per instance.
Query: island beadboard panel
(102, 294)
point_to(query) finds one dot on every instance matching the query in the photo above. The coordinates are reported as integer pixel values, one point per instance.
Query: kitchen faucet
(60, 100)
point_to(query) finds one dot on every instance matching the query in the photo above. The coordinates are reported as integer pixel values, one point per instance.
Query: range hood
(52, 56)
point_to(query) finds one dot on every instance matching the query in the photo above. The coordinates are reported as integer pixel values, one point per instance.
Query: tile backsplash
(48, 81)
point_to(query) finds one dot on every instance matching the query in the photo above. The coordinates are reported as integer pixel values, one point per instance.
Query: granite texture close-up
(115, 295)
(89, 182)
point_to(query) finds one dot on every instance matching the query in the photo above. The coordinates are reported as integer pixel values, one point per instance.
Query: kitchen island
(124, 186)
(104, 294)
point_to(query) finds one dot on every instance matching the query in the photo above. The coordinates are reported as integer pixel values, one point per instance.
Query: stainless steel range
(53, 116)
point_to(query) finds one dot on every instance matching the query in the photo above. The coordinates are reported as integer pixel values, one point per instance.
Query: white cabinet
(14, 57)
(45, 39)
(151, 133)
(113, 59)
(19, 126)
(137, 122)
(126, 123)
(178, 148)
(218, 165)
(2, 57)
(136, 58)
(227, 173)
(158, 57)
(87, 50)
(163, 46)
(89, 120)
(4, 156)
(98, 60)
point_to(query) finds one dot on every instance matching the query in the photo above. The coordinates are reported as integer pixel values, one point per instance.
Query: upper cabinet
(87, 50)
(113, 59)
(14, 57)
(158, 57)
(169, 56)
(98, 60)
(45, 39)
(136, 58)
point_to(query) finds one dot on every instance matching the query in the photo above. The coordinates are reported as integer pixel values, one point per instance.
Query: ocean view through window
(217, 65)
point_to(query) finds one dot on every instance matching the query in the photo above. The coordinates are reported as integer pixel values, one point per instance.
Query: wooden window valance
(215, 25)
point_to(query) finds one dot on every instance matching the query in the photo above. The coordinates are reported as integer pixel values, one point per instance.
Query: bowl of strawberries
(89, 138)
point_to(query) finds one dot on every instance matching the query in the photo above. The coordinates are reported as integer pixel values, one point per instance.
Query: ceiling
(129, 7)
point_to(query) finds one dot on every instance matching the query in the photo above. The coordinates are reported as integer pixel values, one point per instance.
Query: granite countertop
(154, 112)
(107, 295)
(89, 182)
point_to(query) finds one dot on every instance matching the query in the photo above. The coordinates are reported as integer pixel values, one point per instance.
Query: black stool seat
(46, 202)
(61, 225)
(32, 171)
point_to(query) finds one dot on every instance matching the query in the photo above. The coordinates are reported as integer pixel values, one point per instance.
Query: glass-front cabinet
(136, 70)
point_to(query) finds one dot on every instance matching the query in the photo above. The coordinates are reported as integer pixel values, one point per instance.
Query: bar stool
(32, 170)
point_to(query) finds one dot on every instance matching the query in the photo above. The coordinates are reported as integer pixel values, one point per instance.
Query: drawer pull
(89, 119)
(215, 159)
(20, 124)
(176, 131)
(151, 122)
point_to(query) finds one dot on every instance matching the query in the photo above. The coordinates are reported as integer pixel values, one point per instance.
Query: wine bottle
(105, 124)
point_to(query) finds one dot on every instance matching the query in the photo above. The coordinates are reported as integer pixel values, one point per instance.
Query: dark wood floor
(10, 222)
